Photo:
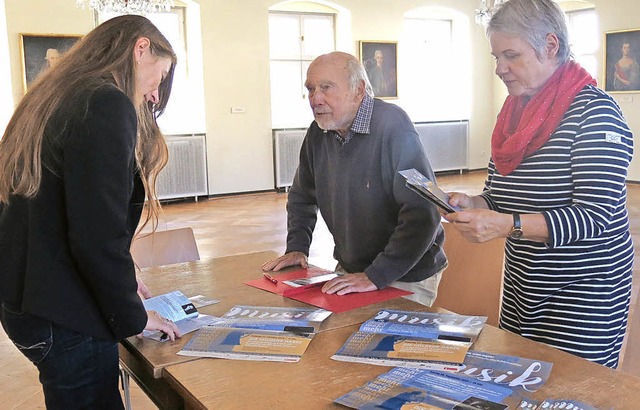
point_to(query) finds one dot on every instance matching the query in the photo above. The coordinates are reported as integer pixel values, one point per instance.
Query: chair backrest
(472, 284)
(630, 354)
(165, 248)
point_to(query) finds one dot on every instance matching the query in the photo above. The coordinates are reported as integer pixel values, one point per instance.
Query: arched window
(295, 39)
(584, 36)
(434, 71)
(6, 97)
(185, 112)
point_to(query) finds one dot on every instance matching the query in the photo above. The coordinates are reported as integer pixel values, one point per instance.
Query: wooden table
(175, 382)
(316, 380)
(222, 279)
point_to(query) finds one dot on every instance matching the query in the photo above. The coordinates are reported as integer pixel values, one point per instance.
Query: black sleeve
(98, 173)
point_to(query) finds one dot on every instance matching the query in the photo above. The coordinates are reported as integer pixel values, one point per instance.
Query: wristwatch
(516, 230)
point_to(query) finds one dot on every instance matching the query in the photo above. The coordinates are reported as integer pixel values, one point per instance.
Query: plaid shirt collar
(361, 122)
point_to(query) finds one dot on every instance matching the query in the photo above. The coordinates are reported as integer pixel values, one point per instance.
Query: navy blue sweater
(379, 226)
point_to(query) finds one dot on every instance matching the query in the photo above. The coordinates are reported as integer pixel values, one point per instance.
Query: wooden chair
(472, 284)
(156, 249)
(630, 354)
(165, 248)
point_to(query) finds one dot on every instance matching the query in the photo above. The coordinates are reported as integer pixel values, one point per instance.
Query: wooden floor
(229, 226)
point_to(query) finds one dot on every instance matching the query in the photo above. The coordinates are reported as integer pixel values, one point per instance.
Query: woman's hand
(462, 201)
(143, 290)
(155, 321)
(481, 225)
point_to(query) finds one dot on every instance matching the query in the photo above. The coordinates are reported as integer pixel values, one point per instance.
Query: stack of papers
(427, 189)
(258, 333)
(484, 382)
(413, 339)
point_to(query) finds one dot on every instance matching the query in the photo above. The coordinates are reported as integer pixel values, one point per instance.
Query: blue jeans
(76, 371)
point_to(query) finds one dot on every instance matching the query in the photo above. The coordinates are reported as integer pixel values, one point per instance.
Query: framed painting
(41, 51)
(380, 60)
(622, 61)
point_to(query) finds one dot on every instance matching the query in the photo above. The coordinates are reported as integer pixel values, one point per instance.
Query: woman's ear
(141, 46)
(553, 45)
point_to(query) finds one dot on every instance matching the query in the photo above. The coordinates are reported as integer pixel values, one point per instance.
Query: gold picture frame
(39, 51)
(622, 61)
(380, 60)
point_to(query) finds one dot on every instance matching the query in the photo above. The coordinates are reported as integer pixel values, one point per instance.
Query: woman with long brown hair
(77, 159)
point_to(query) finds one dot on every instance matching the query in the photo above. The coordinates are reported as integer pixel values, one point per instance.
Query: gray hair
(533, 20)
(356, 73)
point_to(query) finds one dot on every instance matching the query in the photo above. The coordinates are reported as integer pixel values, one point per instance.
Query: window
(434, 78)
(584, 38)
(294, 41)
(185, 112)
(6, 96)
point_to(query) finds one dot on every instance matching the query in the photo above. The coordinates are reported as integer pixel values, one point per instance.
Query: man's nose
(315, 98)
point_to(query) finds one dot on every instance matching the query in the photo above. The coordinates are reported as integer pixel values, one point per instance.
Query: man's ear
(360, 89)
(141, 46)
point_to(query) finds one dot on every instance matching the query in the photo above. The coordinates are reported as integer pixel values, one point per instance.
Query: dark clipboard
(428, 190)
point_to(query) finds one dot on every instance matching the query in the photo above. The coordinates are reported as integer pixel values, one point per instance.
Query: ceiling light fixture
(127, 6)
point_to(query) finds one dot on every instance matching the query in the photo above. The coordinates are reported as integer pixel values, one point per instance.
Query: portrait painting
(622, 61)
(41, 51)
(380, 60)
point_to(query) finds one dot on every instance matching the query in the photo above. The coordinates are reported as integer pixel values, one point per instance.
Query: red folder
(313, 294)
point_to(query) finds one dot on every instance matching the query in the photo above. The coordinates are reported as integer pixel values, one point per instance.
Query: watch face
(515, 233)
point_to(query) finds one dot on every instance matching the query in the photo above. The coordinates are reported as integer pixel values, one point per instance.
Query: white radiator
(287, 145)
(446, 144)
(186, 172)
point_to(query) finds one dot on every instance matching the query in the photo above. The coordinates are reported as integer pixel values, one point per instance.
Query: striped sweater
(573, 292)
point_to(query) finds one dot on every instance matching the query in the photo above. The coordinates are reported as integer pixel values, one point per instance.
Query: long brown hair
(104, 56)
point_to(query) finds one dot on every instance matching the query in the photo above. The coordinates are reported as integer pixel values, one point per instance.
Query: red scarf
(523, 127)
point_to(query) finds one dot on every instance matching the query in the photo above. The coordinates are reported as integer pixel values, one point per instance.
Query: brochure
(258, 333)
(485, 381)
(305, 320)
(176, 307)
(427, 189)
(311, 281)
(528, 404)
(406, 388)
(413, 339)
(518, 373)
(553, 404)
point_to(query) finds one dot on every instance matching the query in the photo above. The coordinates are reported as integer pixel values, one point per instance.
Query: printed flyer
(176, 307)
(405, 388)
(413, 339)
(258, 333)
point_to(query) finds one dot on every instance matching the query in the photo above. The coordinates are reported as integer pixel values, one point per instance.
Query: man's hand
(288, 259)
(349, 283)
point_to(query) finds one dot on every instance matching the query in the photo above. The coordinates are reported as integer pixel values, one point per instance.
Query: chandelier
(127, 6)
(485, 11)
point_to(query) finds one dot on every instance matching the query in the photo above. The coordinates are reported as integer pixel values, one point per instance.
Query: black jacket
(64, 254)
